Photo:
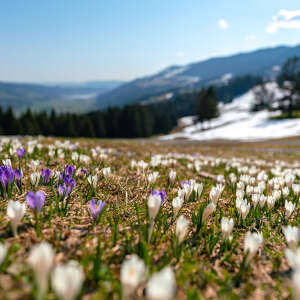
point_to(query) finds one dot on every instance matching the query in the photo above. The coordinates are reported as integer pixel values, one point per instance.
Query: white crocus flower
(187, 188)
(34, 164)
(75, 156)
(291, 234)
(66, 280)
(154, 203)
(177, 204)
(106, 172)
(240, 185)
(41, 260)
(152, 177)
(3, 252)
(6, 162)
(242, 207)
(216, 193)
(249, 190)
(172, 176)
(296, 189)
(226, 227)
(209, 209)
(285, 191)
(161, 285)
(93, 180)
(293, 258)
(15, 212)
(271, 201)
(289, 208)
(133, 273)
(262, 200)
(255, 199)
(34, 179)
(240, 194)
(182, 226)
(252, 242)
(198, 188)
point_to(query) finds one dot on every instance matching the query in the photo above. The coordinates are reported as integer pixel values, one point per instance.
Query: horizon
(72, 42)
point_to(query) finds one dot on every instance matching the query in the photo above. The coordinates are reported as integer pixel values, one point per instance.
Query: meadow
(120, 219)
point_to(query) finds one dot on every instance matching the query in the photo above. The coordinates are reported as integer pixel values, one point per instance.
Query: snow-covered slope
(236, 122)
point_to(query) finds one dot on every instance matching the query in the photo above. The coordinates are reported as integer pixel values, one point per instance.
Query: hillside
(237, 122)
(263, 62)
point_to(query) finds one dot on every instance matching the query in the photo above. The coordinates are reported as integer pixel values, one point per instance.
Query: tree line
(128, 122)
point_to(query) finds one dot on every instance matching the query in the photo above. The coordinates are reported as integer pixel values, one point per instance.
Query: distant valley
(162, 86)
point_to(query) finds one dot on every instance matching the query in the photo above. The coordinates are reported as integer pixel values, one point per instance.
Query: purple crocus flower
(96, 208)
(66, 188)
(69, 170)
(162, 194)
(35, 200)
(21, 152)
(18, 177)
(46, 173)
(61, 189)
(7, 175)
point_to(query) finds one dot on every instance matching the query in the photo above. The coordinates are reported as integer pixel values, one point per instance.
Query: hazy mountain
(263, 62)
(61, 96)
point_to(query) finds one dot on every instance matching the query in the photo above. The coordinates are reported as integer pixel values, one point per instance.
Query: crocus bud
(3, 252)
(154, 202)
(34, 179)
(289, 208)
(66, 280)
(271, 201)
(182, 226)
(226, 227)
(93, 180)
(41, 260)
(177, 204)
(252, 242)
(133, 272)
(172, 176)
(291, 234)
(198, 188)
(209, 209)
(15, 212)
(161, 285)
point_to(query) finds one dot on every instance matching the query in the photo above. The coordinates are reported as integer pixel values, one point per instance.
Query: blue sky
(80, 40)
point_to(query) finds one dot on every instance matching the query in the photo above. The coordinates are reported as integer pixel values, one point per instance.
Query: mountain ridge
(198, 74)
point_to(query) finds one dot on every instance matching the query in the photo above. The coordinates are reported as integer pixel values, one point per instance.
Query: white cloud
(289, 14)
(250, 37)
(180, 54)
(284, 19)
(223, 24)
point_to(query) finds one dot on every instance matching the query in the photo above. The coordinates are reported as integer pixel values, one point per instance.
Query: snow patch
(236, 122)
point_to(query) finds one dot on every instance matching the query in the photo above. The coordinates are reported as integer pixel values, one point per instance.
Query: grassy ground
(205, 265)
